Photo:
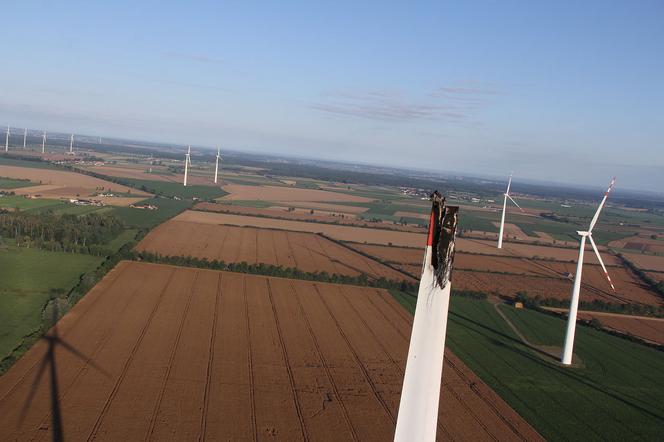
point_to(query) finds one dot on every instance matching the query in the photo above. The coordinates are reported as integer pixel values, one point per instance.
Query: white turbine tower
(187, 163)
(216, 166)
(568, 349)
(43, 142)
(71, 144)
(25, 137)
(7, 140)
(420, 396)
(502, 219)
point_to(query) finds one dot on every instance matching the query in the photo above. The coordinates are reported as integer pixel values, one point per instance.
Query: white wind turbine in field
(25, 137)
(71, 144)
(187, 163)
(43, 142)
(216, 166)
(568, 349)
(502, 219)
(7, 140)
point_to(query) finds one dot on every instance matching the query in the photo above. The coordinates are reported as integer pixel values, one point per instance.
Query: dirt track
(187, 354)
(305, 251)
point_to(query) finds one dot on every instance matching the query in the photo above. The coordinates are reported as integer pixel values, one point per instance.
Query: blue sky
(562, 91)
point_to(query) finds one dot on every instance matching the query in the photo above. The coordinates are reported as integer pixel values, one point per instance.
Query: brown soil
(646, 262)
(306, 251)
(649, 329)
(189, 354)
(338, 232)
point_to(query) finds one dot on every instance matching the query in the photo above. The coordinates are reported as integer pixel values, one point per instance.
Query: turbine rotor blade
(601, 205)
(599, 258)
(509, 183)
(515, 203)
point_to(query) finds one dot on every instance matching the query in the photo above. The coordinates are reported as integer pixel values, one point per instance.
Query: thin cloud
(385, 106)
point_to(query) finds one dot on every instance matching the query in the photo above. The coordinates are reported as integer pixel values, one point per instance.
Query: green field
(9, 183)
(7, 160)
(618, 394)
(167, 188)
(30, 204)
(28, 277)
(143, 218)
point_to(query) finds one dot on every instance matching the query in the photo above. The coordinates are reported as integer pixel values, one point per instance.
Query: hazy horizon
(568, 93)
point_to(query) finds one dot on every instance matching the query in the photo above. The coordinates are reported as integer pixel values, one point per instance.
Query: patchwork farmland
(308, 252)
(160, 352)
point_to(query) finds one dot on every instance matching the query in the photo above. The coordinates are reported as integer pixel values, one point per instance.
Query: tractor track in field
(125, 368)
(289, 370)
(171, 358)
(208, 372)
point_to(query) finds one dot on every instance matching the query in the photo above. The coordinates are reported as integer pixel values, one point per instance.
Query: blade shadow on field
(49, 362)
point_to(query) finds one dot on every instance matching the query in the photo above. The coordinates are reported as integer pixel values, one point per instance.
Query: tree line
(61, 232)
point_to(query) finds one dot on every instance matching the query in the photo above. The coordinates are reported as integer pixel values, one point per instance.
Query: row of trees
(54, 232)
(279, 271)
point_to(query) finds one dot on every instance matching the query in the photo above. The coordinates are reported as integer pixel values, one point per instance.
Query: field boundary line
(171, 358)
(361, 366)
(324, 363)
(125, 368)
(206, 395)
(284, 354)
(78, 318)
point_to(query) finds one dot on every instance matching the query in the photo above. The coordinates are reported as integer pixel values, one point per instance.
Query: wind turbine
(502, 219)
(43, 142)
(187, 163)
(7, 140)
(568, 349)
(71, 144)
(25, 137)
(420, 396)
(216, 166)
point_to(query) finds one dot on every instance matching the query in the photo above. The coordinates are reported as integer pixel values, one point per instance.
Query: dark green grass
(175, 189)
(27, 278)
(143, 218)
(249, 203)
(617, 395)
(477, 221)
(9, 183)
(70, 209)
(124, 237)
(30, 204)
(6, 160)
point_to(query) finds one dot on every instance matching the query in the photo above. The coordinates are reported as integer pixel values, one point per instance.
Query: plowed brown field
(58, 184)
(187, 354)
(646, 262)
(308, 252)
(338, 232)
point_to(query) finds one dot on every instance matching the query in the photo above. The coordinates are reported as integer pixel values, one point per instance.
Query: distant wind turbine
(216, 166)
(44, 142)
(7, 140)
(25, 137)
(187, 163)
(574, 303)
(71, 144)
(502, 219)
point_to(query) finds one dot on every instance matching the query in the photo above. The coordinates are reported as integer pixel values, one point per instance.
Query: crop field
(266, 209)
(166, 209)
(283, 193)
(646, 262)
(58, 184)
(29, 279)
(646, 328)
(503, 275)
(10, 183)
(22, 203)
(223, 356)
(305, 251)
(618, 393)
(338, 232)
